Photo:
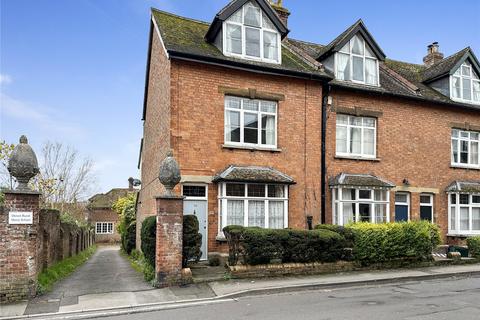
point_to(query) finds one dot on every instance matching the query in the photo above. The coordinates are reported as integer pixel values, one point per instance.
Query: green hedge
(129, 237)
(346, 232)
(149, 239)
(378, 243)
(474, 246)
(192, 240)
(262, 246)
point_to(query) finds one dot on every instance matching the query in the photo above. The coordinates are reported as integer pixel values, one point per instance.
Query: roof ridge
(178, 16)
(400, 61)
(307, 42)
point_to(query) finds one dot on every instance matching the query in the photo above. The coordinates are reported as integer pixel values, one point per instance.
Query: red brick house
(269, 131)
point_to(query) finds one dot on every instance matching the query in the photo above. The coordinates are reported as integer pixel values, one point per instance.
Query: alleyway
(106, 272)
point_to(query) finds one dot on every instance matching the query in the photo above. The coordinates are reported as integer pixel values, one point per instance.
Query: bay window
(250, 34)
(360, 205)
(356, 62)
(465, 148)
(250, 122)
(356, 136)
(464, 214)
(253, 205)
(465, 84)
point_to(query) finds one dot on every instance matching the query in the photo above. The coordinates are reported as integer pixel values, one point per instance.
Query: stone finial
(169, 173)
(23, 164)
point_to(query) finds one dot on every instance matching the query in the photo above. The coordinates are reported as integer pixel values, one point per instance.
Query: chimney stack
(282, 12)
(130, 184)
(433, 55)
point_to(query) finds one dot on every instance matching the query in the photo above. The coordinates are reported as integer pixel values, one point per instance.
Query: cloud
(29, 114)
(5, 79)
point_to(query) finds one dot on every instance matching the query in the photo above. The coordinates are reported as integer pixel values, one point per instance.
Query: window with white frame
(465, 148)
(250, 34)
(356, 136)
(360, 205)
(250, 122)
(426, 207)
(104, 228)
(464, 214)
(357, 63)
(465, 84)
(254, 205)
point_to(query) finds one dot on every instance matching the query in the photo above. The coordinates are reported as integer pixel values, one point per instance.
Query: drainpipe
(325, 97)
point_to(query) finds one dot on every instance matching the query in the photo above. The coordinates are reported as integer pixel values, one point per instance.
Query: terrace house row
(271, 131)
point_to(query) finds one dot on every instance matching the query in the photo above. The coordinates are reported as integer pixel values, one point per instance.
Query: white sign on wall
(20, 217)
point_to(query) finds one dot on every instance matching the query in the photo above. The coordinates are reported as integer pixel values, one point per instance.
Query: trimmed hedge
(346, 232)
(149, 239)
(129, 237)
(192, 240)
(262, 246)
(378, 243)
(474, 246)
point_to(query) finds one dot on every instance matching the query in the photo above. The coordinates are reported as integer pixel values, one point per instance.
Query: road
(434, 299)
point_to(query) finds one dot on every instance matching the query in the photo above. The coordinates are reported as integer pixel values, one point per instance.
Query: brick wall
(413, 142)
(105, 215)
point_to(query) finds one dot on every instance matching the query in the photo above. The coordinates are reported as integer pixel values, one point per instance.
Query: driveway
(107, 271)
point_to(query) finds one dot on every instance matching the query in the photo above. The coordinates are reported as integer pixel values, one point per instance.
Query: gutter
(246, 67)
(325, 95)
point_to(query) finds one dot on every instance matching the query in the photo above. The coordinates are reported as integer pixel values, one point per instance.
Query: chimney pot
(130, 184)
(433, 55)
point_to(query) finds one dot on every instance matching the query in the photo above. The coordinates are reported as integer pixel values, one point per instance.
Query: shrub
(261, 246)
(140, 264)
(214, 261)
(129, 237)
(148, 236)
(346, 232)
(474, 246)
(192, 240)
(2, 198)
(378, 243)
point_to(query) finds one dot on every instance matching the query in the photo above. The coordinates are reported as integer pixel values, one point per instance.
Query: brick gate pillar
(168, 261)
(168, 258)
(19, 224)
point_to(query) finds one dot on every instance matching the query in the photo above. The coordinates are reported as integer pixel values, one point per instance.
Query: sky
(74, 71)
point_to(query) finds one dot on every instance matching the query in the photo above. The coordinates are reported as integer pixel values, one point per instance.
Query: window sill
(357, 158)
(462, 235)
(251, 148)
(459, 166)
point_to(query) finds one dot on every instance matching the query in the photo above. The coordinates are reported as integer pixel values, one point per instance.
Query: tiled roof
(106, 200)
(464, 186)
(359, 180)
(444, 66)
(253, 174)
(186, 37)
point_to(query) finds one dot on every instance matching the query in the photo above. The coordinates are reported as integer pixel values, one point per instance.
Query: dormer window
(356, 62)
(249, 34)
(465, 84)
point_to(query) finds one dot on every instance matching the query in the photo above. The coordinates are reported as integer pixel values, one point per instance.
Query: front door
(196, 203)
(402, 206)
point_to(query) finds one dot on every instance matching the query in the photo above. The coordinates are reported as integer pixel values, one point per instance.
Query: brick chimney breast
(433, 55)
(283, 13)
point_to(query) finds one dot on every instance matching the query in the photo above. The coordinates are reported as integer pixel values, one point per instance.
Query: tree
(64, 177)
(125, 207)
(6, 150)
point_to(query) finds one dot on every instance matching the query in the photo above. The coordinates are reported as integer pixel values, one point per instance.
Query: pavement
(106, 284)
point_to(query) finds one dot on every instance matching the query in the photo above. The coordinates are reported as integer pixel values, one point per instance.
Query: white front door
(196, 203)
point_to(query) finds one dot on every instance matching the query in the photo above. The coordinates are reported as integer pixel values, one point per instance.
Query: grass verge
(140, 264)
(62, 269)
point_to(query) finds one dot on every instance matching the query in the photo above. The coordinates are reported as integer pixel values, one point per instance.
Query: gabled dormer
(456, 76)
(354, 56)
(249, 29)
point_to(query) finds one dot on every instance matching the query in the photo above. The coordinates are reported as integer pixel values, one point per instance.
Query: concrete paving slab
(101, 300)
(13, 309)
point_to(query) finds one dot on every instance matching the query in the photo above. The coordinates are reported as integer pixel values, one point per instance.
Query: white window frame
(457, 231)
(106, 224)
(470, 141)
(196, 185)
(462, 77)
(223, 199)
(362, 128)
(262, 30)
(400, 203)
(259, 114)
(430, 204)
(337, 204)
(364, 57)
